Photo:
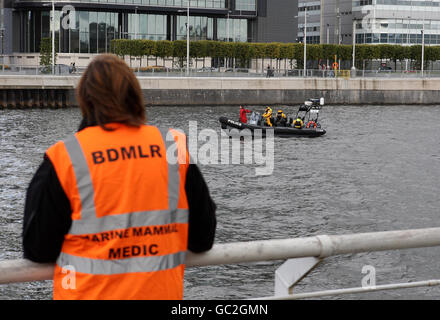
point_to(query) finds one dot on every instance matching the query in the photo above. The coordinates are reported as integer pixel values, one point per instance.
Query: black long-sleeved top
(47, 214)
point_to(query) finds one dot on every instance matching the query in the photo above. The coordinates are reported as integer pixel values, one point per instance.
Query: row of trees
(243, 52)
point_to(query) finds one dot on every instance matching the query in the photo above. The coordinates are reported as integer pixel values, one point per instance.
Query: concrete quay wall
(247, 91)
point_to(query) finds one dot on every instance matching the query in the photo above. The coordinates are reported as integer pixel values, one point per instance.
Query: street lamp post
(53, 37)
(423, 47)
(187, 38)
(136, 23)
(328, 34)
(2, 34)
(339, 26)
(227, 27)
(305, 41)
(353, 68)
(227, 35)
(407, 39)
(328, 41)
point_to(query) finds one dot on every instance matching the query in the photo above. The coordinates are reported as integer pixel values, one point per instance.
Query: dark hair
(109, 92)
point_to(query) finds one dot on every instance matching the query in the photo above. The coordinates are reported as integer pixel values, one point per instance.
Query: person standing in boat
(111, 205)
(268, 116)
(281, 119)
(243, 112)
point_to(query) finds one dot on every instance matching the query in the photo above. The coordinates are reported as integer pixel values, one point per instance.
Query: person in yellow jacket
(281, 119)
(268, 115)
(298, 123)
(110, 206)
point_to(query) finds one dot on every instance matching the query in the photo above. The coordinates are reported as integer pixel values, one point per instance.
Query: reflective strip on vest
(90, 224)
(109, 267)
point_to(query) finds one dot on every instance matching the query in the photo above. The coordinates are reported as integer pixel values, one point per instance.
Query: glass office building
(397, 21)
(404, 22)
(89, 26)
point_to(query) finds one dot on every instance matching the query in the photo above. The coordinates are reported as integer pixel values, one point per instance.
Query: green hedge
(246, 51)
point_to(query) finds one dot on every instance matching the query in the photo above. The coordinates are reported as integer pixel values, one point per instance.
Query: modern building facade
(88, 26)
(328, 21)
(6, 26)
(397, 21)
(313, 22)
(373, 21)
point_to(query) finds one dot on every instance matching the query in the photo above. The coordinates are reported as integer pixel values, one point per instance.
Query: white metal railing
(318, 294)
(320, 246)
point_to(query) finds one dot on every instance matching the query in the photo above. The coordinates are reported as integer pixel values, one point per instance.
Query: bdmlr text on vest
(126, 153)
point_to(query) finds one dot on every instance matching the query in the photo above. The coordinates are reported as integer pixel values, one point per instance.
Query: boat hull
(278, 131)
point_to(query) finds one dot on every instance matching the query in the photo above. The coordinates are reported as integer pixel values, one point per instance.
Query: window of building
(170, 3)
(360, 3)
(200, 28)
(397, 38)
(93, 31)
(45, 24)
(310, 39)
(147, 26)
(309, 8)
(236, 31)
(368, 38)
(246, 5)
(84, 44)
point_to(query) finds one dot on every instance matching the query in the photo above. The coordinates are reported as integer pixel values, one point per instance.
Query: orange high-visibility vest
(129, 230)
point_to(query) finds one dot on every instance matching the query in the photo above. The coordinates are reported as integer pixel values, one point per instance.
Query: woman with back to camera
(110, 203)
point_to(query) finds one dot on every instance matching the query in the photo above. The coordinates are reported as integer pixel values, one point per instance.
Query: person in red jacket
(243, 112)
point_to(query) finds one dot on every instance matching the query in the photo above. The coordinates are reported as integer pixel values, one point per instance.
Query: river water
(376, 169)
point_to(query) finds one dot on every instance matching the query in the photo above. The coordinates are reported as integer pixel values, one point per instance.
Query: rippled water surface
(376, 169)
